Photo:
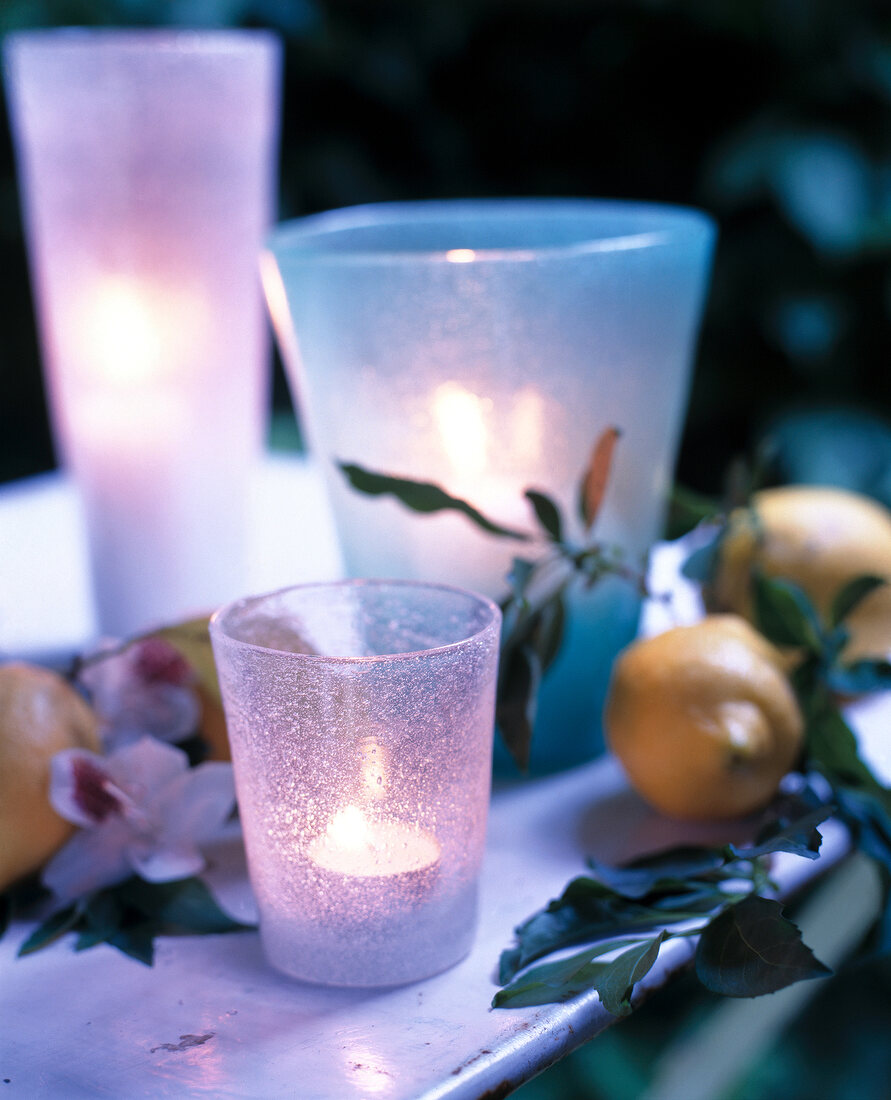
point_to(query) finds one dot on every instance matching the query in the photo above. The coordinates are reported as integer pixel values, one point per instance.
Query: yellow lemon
(819, 538)
(40, 714)
(703, 720)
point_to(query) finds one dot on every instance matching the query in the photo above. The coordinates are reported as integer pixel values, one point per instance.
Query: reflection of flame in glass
(374, 772)
(460, 419)
(527, 426)
(460, 255)
(276, 300)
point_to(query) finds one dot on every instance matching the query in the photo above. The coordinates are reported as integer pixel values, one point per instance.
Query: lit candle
(360, 718)
(146, 160)
(362, 847)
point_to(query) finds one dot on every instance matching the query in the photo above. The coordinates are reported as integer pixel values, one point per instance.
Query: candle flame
(460, 255)
(348, 829)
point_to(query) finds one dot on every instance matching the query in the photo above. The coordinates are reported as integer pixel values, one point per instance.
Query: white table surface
(211, 1019)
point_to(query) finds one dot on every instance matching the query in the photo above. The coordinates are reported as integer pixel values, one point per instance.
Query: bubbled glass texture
(371, 699)
(147, 163)
(485, 345)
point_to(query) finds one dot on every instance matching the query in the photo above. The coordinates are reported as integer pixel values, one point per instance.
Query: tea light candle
(360, 847)
(360, 716)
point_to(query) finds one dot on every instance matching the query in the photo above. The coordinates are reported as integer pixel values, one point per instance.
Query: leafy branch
(130, 915)
(746, 945)
(535, 607)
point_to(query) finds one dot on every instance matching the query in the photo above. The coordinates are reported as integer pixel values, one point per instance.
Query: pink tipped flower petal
(81, 789)
(93, 858)
(164, 864)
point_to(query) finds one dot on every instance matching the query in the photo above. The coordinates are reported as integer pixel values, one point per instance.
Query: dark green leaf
(860, 678)
(52, 929)
(103, 915)
(586, 910)
(751, 948)
(517, 696)
(182, 906)
(547, 513)
(870, 821)
(137, 941)
(700, 565)
(795, 833)
(832, 747)
(557, 981)
(784, 614)
(548, 636)
(667, 870)
(422, 496)
(616, 981)
(852, 594)
(5, 913)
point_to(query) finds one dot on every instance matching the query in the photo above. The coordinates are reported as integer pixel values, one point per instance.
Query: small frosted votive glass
(361, 719)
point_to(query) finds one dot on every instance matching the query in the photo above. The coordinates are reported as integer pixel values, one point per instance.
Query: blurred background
(773, 115)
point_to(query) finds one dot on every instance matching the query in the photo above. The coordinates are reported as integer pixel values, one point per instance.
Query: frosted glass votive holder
(361, 720)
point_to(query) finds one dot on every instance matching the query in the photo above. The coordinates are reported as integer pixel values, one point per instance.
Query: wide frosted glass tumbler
(360, 716)
(146, 167)
(485, 345)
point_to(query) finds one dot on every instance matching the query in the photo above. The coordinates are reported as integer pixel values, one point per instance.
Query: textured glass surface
(485, 345)
(146, 163)
(360, 716)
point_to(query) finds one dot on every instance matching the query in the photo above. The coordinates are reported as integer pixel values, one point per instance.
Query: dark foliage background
(771, 114)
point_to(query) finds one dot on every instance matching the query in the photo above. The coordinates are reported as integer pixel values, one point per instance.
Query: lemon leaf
(851, 595)
(658, 873)
(547, 513)
(422, 496)
(860, 678)
(784, 614)
(53, 928)
(558, 981)
(751, 948)
(596, 476)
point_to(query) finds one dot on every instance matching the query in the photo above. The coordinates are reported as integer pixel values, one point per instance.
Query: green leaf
(103, 915)
(182, 906)
(700, 565)
(784, 614)
(52, 929)
(616, 981)
(860, 678)
(5, 913)
(658, 873)
(794, 829)
(424, 497)
(750, 949)
(851, 595)
(832, 747)
(137, 941)
(517, 697)
(870, 821)
(557, 981)
(547, 513)
(588, 910)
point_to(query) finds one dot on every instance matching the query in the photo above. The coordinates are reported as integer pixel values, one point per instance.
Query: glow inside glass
(485, 345)
(360, 716)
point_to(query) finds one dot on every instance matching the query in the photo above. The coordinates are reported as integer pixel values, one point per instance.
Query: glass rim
(302, 238)
(217, 625)
(207, 41)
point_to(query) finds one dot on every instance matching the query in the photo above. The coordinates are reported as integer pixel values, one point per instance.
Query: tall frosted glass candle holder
(360, 716)
(484, 346)
(146, 168)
